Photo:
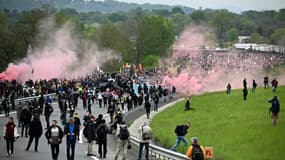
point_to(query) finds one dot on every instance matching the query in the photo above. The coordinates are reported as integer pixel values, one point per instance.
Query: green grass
(237, 129)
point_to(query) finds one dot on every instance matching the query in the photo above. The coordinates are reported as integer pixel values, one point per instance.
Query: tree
(257, 38)
(150, 61)
(198, 16)
(277, 35)
(220, 22)
(232, 35)
(155, 35)
(177, 10)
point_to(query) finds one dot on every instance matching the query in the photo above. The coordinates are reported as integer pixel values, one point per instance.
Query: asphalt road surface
(44, 152)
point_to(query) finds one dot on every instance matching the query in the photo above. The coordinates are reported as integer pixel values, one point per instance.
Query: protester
(274, 84)
(10, 135)
(274, 109)
(254, 85)
(266, 82)
(77, 123)
(244, 83)
(47, 112)
(5, 105)
(90, 134)
(25, 118)
(155, 101)
(70, 130)
(229, 88)
(147, 106)
(181, 131)
(187, 104)
(145, 136)
(196, 151)
(54, 136)
(101, 132)
(35, 132)
(111, 111)
(245, 93)
(123, 135)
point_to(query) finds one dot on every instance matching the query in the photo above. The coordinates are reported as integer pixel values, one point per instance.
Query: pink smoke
(209, 70)
(59, 57)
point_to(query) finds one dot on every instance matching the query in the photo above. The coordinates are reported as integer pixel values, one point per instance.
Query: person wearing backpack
(196, 151)
(274, 109)
(181, 131)
(123, 139)
(145, 136)
(101, 132)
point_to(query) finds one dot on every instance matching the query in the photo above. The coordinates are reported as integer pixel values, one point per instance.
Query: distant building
(243, 39)
(259, 47)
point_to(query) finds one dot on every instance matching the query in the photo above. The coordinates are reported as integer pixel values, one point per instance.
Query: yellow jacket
(189, 152)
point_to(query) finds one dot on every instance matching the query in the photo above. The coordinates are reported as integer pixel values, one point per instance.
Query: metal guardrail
(160, 152)
(27, 99)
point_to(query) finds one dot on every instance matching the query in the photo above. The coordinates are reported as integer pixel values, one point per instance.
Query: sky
(232, 5)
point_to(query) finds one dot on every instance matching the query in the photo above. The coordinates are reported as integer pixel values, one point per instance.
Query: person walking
(5, 106)
(77, 123)
(123, 135)
(245, 93)
(111, 111)
(196, 151)
(35, 132)
(101, 133)
(70, 130)
(147, 106)
(229, 88)
(54, 136)
(25, 118)
(47, 112)
(254, 85)
(89, 133)
(274, 109)
(145, 135)
(10, 134)
(155, 101)
(181, 131)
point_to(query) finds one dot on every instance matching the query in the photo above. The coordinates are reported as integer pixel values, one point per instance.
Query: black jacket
(36, 129)
(48, 134)
(90, 131)
(102, 132)
(181, 130)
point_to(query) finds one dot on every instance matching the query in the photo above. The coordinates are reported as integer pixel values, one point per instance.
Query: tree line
(137, 36)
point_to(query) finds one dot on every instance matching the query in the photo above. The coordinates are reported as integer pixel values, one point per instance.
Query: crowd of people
(116, 93)
(232, 62)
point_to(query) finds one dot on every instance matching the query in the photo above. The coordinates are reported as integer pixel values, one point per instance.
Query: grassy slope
(237, 130)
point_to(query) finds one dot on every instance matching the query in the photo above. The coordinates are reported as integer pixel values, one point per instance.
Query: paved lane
(44, 149)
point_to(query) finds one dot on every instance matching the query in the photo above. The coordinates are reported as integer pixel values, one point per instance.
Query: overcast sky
(232, 5)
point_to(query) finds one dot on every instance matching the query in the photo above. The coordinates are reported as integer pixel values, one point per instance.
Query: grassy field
(237, 129)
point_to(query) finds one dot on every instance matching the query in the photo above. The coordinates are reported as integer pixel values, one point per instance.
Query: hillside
(107, 6)
(235, 128)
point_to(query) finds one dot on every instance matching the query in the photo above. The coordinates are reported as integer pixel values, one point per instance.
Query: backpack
(197, 153)
(146, 135)
(102, 131)
(124, 133)
(275, 106)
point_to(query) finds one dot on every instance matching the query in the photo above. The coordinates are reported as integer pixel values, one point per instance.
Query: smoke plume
(59, 55)
(195, 70)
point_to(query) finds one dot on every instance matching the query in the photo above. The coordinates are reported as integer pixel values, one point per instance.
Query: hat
(76, 115)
